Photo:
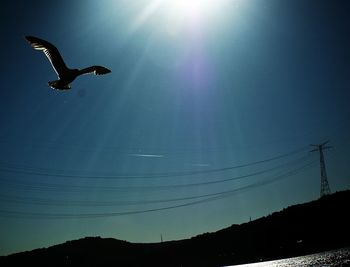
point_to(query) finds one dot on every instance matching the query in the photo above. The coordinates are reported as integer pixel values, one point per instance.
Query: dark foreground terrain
(312, 227)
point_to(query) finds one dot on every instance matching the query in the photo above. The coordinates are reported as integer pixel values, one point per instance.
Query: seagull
(65, 74)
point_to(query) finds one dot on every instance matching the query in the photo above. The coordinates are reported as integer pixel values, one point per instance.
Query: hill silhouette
(301, 229)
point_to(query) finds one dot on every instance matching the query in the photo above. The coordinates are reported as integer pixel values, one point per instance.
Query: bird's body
(63, 83)
(65, 74)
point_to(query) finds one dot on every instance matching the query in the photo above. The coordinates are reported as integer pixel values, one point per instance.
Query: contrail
(147, 155)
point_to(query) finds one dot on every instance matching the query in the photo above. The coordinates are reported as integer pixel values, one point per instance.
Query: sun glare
(196, 13)
(185, 10)
(192, 7)
(176, 15)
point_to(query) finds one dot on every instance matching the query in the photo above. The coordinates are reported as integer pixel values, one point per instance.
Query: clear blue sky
(204, 122)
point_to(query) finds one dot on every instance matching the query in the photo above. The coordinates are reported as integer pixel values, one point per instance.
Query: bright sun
(192, 8)
(185, 13)
(179, 14)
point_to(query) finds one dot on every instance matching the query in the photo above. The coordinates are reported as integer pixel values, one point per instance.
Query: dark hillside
(301, 229)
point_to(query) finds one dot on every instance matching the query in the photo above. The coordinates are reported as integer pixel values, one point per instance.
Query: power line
(209, 198)
(55, 202)
(61, 173)
(51, 186)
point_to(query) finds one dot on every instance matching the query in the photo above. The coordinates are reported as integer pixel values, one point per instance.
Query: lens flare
(184, 11)
(193, 7)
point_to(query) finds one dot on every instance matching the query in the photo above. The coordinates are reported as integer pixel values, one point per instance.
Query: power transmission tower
(325, 190)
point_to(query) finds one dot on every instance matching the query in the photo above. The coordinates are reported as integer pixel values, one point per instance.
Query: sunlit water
(333, 258)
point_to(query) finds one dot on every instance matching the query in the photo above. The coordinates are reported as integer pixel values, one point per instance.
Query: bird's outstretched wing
(51, 52)
(97, 70)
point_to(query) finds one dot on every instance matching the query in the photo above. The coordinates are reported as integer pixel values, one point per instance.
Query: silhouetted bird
(65, 74)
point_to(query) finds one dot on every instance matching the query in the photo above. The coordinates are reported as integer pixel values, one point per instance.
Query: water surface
(340, 257)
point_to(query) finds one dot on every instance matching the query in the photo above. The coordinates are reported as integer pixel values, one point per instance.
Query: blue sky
(204, 122)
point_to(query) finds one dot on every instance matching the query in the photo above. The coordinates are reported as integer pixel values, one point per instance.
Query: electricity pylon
(325, 190)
